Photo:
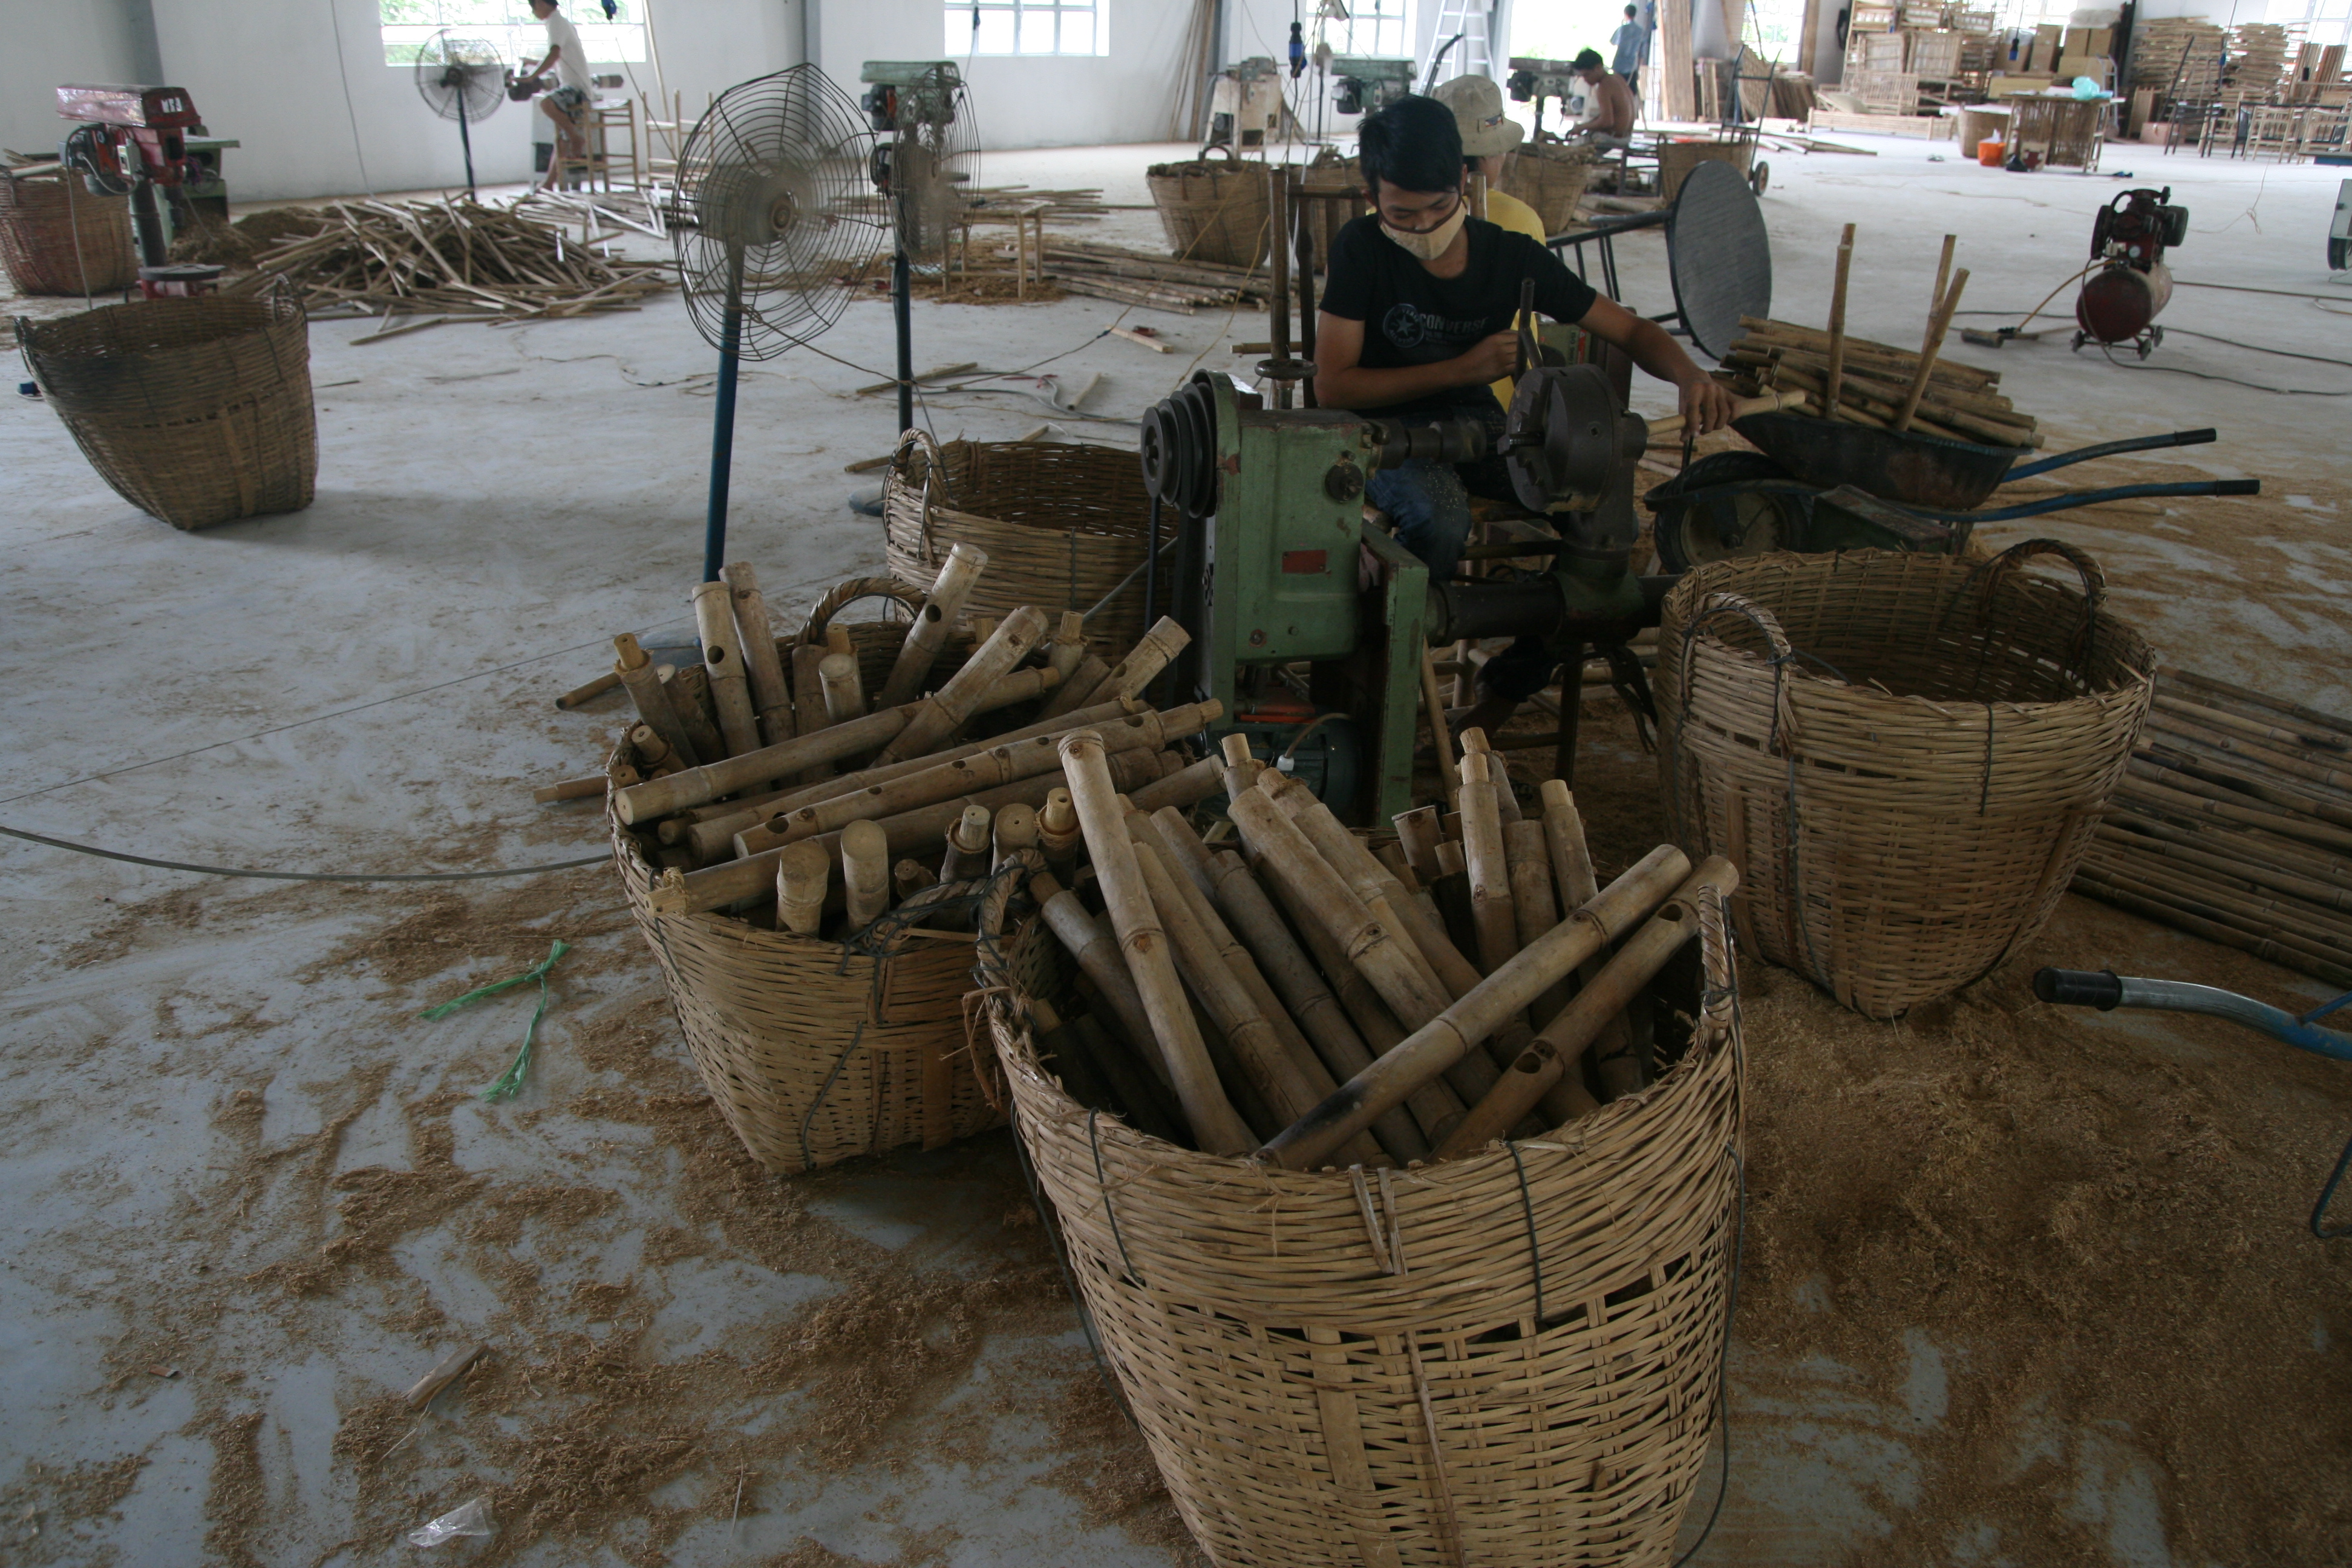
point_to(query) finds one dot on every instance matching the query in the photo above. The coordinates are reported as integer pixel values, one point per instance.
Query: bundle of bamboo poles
(1306, 995)
(1136, 278)
(1877, 384)
(2234, 823)
(452, 258)
(732, 783)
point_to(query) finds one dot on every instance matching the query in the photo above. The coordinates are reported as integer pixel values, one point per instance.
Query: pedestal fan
(774, 175)
(463, 80)
(925, 165)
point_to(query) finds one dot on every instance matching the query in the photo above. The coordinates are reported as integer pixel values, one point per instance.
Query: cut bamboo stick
(689, 695)
(2136, 785)
(1069, 646)
(587, 788)
(957, 575)
(1417, 835)
(1556, 1047)
(1150, 1105)
(1151, 654)
(1182, 786)
(1144, 945)
(722, 660)
(590, 691)
(945, 711)
(865, 873)
(701, 786)
(1533, 906)
(1452, 1035)
(2291, 742)
(1057, 832)
(1085, 675)
(772, 694)
(844, 693)
(1432, 708)
(1014, 829)
(909, 878)
(2142, 836)
(2199, 916)
(2312, 767)
(801, 879)
(635, 669)
(1836, 379)
(2221, 690)
(809, 715)
(1491, 909)
(967, 844)
(2235, 781)
(1943, 274)
(1942, 323)
(1094, 947)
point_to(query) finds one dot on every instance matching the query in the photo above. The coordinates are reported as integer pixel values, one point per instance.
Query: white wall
(50, 44)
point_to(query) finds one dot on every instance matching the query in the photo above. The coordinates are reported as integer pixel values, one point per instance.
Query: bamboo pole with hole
(1145, 946)
(772, 694)
(866, 873)
(1069, 647)
(957, 575)
(1058, 831)
(967, 844)
(1937, 328)
(701, 786)
(722, 658)
(1456, 1032)
(636, 668)
(982, 770)
(1015, 830)
(1152, 654)
(956, 701)
(713, 835)
(1556, 1047)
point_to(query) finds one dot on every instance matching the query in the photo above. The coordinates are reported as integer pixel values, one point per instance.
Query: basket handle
(1721, 602)
(2094, 583)
(843, 594)
(934, 473)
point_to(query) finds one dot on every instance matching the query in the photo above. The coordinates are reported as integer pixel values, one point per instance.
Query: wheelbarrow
(1914, 469)
(1745, 503)
(2106, 991)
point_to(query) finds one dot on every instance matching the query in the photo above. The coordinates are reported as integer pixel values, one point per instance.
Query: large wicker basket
(195, 411)
(1552, 179)
(1063, 526)
(1216, 210)
(1510, 1360)
(1676, 159)
(57, 238)
(1904, 755)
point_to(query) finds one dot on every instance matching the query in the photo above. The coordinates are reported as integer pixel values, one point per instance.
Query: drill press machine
(1277, 566)
(132, 140)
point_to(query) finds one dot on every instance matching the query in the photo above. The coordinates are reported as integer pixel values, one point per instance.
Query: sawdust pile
(39, 1509)
(2094, 1228)
(237, 243)
(236, 1503)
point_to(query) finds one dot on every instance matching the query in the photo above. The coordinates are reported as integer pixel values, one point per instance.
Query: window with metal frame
(1382, 29)
(511, 28)
(1026, 28)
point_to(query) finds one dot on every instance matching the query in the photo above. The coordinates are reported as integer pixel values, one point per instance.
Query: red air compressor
(2119, 302)
(131, 141)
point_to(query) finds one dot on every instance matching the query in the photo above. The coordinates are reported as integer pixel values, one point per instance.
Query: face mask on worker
(1431, 244)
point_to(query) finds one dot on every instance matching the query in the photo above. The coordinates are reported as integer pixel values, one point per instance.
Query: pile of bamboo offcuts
(1162, 282)
(451, 258)
(1878, 385)
(2234, 823)
(1302, 995)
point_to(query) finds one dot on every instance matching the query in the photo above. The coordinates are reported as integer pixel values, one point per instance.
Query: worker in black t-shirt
(1416, 323)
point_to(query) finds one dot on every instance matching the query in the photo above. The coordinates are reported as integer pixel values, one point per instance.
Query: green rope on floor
(510, 1080)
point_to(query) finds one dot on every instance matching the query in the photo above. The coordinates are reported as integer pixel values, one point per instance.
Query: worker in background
(1631, 44)
(1614, 104)
(1490, 138)
(567, 106)
(1416, 325)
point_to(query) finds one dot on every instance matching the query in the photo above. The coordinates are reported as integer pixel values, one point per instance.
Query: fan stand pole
(722, 422)
(902, 306)
(466, 139)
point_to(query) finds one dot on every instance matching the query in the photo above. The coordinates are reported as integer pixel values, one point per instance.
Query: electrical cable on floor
(2225, 380)
(2192, 332)
(304, 876)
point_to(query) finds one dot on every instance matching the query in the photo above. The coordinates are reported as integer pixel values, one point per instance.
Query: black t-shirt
(1413, 317)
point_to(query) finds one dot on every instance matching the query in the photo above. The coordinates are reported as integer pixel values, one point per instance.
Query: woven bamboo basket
(1214, 210)
(57, 238)
(1063, 526)
(195, 411)
(1511, 1359)
(1677, 159)
(1904, 755)
(1552, 179)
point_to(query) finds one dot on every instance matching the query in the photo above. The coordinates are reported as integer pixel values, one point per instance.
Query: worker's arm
(554, 53)
(1340, 382)
(1706, 402)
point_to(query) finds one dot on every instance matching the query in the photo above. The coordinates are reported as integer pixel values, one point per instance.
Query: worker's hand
(1706, 403)
(1492, 360)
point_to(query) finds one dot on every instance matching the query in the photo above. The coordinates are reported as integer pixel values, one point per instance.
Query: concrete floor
(197, 1068)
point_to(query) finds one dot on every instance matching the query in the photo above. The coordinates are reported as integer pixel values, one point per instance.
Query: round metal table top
(1719, 255)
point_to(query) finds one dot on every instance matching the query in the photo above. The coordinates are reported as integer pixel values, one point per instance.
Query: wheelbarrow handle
(2109, 449)
(2071, 498)
(2106, 990)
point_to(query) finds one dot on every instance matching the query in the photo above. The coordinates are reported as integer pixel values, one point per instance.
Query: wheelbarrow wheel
(1724, 507)
(1760, 177)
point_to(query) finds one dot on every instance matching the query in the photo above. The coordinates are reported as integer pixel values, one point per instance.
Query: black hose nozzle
(2100, 988)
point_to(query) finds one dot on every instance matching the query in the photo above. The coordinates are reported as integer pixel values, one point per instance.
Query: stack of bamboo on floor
(1877, 384)
(1162, 282)
(2234, 824)
(1308, 997)
(455, 258)
(729, 785)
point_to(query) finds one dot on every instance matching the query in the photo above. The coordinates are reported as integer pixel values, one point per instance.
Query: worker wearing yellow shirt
(1489, 137)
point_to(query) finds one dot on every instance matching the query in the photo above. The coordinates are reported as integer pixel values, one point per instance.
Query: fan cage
(478, 73)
